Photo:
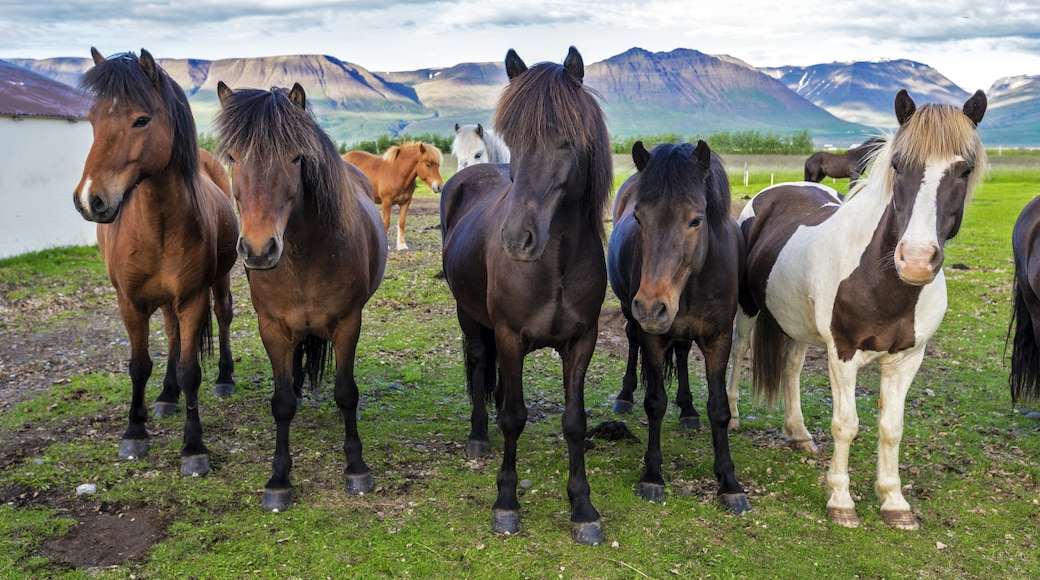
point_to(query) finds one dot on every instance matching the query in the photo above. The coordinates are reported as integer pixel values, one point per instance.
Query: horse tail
(669, 368)
(316, 359)
(206, 335)
(769, 346)
(1024, 379)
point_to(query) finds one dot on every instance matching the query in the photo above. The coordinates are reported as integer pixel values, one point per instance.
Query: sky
(973, 43)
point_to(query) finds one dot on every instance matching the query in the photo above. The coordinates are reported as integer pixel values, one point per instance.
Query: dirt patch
(106, 537)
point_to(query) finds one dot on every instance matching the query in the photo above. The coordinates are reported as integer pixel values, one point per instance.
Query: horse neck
(868, 218)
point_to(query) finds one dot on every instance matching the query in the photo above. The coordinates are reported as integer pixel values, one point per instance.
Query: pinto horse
(862, 277)
(523, 256)
(675, 260)
(852, 163)
(473, 144)
(314, 254)
(167, 233)
(1024, 329)
(393, 177)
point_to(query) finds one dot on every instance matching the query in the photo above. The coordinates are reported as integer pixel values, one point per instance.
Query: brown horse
(1024, 329)
(393, 177)
(167, 233)
(675, 261)
(314, 253)
(851, 164)
(523, 256)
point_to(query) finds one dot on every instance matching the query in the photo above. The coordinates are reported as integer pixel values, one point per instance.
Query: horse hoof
(277, 500)
(900, 520)
(402, 247)
(195, 465)
(133, 448)
(163, 410)
(690, 423)
(735, 502)
(734, 424)
(845, 517)
(224, 390)
(360, 483)
(506, 522)
(477, 448)
(623, 407)
(651, 491)
(807, 445)
(588, 533)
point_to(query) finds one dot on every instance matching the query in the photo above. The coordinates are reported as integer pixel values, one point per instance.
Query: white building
(44, 141)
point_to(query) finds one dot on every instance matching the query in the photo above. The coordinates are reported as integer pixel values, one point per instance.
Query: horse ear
(640, 155)
(574, 64)
(457, 127)
(480, 130)
(514, 64)
(904, 106)
(98, 58)
(151, 70)
(298, 96)
(975, 107)
(224, 93)
(702, 154)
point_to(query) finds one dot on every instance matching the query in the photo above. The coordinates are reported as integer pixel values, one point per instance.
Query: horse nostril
(660, 311)
(269, 248)
(243, 248)
(97, 205)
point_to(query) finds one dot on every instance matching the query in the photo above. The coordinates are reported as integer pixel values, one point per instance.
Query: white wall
(41, 161)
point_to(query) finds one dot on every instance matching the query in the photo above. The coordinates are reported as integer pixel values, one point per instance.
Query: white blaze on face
(916, 252)
(84, 194)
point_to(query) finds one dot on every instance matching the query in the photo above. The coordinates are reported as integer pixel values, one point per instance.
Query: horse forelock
(670, 171)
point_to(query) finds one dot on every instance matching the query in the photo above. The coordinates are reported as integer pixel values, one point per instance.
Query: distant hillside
(1013, 116)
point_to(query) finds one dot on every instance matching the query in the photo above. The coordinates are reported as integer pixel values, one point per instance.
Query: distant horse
(314, 253)
(393, 177)
(675, 260)
(862, 277)
(474, 144)
(523, 256)
(167, 233)
(1025, 317)
(852, 163)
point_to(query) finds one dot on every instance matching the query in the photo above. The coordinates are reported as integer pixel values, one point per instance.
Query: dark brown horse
(393, 177)
(851, 164)
(1024, 330)
(167, 233)
(523, 255)
(314, 252)
(675, 261)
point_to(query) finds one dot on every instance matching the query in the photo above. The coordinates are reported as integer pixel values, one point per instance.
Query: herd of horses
(523, 255)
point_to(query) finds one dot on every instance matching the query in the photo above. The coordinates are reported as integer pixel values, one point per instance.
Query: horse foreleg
(512, 418)
(480, 363)
(585, 520)
(166, 402)
(688, 416)
(192, 316)
(402, 215)
(841, 509)
(357, 473)
(716, 352)
(655, 403)
(741, 343)
(625, 400)
(135, 439)
(895, 382)
(224, 312)
(278, 490)
(384, 209)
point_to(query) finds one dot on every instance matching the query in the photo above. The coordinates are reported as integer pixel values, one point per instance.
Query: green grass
(970, 462)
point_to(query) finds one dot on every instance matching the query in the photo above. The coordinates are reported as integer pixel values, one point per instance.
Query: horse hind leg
(166, 402)
(742, 327)
(402, 216)
(624, 402)
(689, 419)
(224, 311)
(481, 367)
(794, 422)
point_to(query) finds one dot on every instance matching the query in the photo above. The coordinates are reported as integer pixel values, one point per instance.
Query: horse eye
(967, 172)
(895, 168)
(296, 160)
(478, 155)
(696, 222)
(231, 158)
(141, 122)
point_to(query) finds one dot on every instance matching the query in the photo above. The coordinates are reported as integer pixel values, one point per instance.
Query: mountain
(1013, 116)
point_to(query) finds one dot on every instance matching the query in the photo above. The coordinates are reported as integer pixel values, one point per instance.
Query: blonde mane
(429, 152)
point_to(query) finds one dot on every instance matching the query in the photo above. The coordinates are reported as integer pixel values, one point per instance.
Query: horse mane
(544, 104)
(269, 125)
(670, 171)
(122, 78)
(430, 152)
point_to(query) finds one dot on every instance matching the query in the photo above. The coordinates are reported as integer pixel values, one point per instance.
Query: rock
(86, 489)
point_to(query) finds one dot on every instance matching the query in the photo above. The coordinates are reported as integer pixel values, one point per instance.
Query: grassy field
(970, 463)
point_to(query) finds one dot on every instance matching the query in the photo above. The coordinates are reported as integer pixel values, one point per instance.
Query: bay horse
(167, 233)
(314, 254)
(393, 177)
(474, 144)
(1024, 328)
(862, 277)
(851, 164)
(675, 261)
(523, 257)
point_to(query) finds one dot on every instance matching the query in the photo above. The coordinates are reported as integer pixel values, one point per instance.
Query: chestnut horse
(852, 163)
(1024, 329)
(523, 256)
(167, 233)
(393, 177)
(473, 144)
(862, 277)
(314, 253)
(675, 261)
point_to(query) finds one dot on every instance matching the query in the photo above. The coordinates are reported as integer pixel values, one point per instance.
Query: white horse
(474, 144)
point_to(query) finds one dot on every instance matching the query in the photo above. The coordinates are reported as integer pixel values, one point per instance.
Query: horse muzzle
(918, 264)
(97, 209)
(653, 316)
(268, 256)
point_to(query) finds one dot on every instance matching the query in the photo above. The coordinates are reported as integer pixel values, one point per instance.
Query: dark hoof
(195, 465)
(224, 390)
(506, 522)
(651, 491)
(588, 533)
(133, 448)
(477, 448)
(735, 502)
(360, 484)
(163, 410)
(277, 500)
(623, 407)
(690, 423)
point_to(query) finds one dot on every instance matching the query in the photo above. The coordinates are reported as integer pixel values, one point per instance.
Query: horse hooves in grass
(807, 445)
(477, 448)
(735, 502)
(900, 520)
(651, 491)
(506, 522)
(845, 517)
(133, 448)
(690, 423)
(224, 389)
(360, 483)
(623, 407)
(588, 533)
(195, 465)
(277, 500)
(163, 409)
(734, 424)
